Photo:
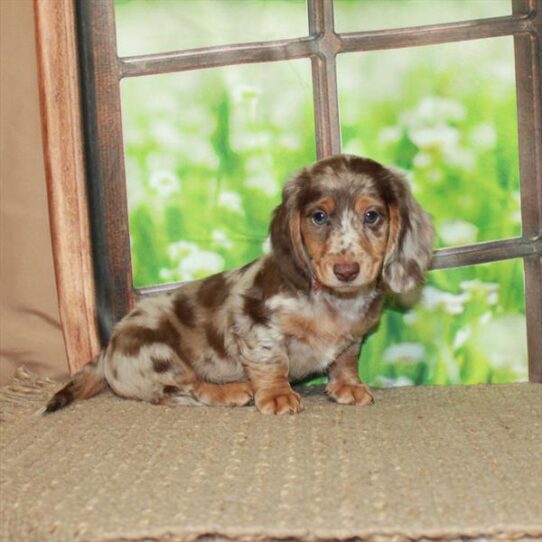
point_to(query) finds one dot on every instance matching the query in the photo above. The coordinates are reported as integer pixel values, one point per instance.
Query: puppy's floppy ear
(285, 230)
(410, 239)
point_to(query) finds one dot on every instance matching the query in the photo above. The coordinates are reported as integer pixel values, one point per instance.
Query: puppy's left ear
(410, 240)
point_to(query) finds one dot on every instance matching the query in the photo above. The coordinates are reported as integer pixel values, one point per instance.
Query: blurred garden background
(208, 151)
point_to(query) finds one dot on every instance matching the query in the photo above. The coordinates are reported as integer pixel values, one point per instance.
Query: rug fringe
(25, 393)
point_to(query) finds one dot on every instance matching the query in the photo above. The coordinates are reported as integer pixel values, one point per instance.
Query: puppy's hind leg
(159, 375)
(198, 392)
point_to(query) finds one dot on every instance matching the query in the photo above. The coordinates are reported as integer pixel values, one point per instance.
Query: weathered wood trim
(65, 177)
(528, 56)
(104, 154)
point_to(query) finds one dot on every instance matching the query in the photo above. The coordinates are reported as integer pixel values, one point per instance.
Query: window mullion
(104, 154)
(212, 57)
(529, 106)
(490, 251)
(324, 77)
(396, 38)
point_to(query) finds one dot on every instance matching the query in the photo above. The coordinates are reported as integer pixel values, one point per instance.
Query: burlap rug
(422, 463)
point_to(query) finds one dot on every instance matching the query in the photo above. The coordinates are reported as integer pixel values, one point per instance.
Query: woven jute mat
(453, 463)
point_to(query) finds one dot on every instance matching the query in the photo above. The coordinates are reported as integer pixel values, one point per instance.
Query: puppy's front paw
(278, 401)
(350, 394)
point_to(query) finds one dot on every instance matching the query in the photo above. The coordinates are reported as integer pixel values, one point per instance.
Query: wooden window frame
(100, 73)
(61, 121)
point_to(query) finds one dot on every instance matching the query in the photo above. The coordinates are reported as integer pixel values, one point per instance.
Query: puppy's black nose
(346, 272)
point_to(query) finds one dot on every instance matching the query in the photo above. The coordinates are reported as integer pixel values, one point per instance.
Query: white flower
(485, 318)
(441, 136)
(462, 336)
(192, 262)
(231, 201)
(433, 298)
(404, 352)
(458, 232)
(180, 249)
(406, 174)
(354, 146)
(386, 382)
(197, 117)
(286, 109)
(410, 318)
(160, 160)
(457, 156)
(266, 245)
(434, 176)
(490, 289)
(484, 136)
(454, 304)
(134, 180)
(432, 107)
(390, 134)
(504, 342)
(159, 101)
(199, 150)
(133, 135)
(516, 217)
(422, 160)
(245, 140)
(246, 93)
(221, 239)
(259, 161)
(247, 99)
(502, 75)
(165, 183)
(434, 110)
(166, 135)
(492, 298)
(291, 142)
(263, 181)
(477, 284)
(167, 275)
(200, 264)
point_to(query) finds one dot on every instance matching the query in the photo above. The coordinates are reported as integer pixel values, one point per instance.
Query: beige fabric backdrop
(29, 323)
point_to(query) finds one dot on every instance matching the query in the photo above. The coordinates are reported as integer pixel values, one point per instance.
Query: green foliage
(208, 151)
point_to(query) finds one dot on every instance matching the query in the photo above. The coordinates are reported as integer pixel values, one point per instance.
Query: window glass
(208, 151)
(206, 155)
(157, 26)
(446, 116)
(468, 328)
(356, 15)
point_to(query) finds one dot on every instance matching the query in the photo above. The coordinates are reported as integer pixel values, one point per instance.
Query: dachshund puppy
(347, 231)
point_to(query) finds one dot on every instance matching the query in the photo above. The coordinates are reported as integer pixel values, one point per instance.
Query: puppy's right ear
(285, 230)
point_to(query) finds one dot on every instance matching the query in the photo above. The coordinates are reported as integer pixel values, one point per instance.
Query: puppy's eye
(371, 217)
(320, 217)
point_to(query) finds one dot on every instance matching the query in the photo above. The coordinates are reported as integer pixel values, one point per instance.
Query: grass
(208, 151)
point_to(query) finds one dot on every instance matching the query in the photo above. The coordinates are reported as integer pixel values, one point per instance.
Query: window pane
(446, 115)
(206, 155)
(145, 27)
(468, 328)
(356, 16)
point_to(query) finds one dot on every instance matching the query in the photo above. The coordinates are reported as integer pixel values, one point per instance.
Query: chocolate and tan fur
(346, 231)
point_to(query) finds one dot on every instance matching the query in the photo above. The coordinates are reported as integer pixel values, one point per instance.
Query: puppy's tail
(86, 383)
